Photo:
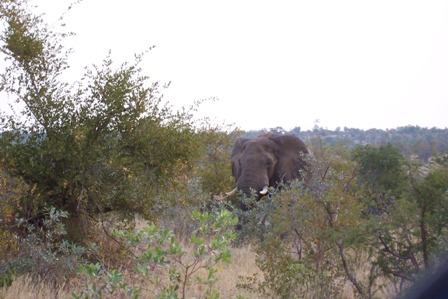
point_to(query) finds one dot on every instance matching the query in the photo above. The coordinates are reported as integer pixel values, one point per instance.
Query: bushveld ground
(243, 264)
(228, 276)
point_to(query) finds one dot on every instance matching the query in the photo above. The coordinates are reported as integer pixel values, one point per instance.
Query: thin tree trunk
(424, 236)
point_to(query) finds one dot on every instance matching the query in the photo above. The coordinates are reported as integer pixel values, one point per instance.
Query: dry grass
(243, 264)
(25, 287)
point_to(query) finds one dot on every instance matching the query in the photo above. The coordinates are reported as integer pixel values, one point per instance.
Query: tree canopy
(105, 141)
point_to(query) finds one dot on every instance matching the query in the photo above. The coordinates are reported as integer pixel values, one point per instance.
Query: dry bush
(178, 220)
(110, 252)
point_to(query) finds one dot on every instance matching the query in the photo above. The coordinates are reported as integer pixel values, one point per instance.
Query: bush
(44, 252)
(308, 229)
(105, 142)
(161, 261)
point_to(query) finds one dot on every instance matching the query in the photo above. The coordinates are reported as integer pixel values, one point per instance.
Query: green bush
(44, 251)
(105, 142)
(161, 261)
(370, 210)
(307, 231)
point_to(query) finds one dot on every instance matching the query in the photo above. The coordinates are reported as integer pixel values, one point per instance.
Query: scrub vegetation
(106, 191)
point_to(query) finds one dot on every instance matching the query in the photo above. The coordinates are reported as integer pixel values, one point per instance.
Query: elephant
(266, 161)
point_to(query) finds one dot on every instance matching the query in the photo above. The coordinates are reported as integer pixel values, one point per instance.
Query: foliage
(104, 142)
(381, 172)
(200, 186)
(369, 217)
(162, 261)
(319, 236)
(215, 173)
(6, 279)
(112, 284)
(380, 168)
(411, 238)
(11, 190)
(310, 231)
(406, 232)
(44, 251)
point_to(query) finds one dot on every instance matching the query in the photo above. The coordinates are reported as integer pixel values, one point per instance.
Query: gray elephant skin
(266, 161)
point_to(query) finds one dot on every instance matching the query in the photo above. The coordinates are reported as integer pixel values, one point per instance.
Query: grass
(243, 264)
(25, 287)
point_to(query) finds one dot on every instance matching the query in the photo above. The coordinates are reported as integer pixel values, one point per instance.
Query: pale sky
(358, 64)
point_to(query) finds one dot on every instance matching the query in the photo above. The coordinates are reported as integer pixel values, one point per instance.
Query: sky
(357, 64)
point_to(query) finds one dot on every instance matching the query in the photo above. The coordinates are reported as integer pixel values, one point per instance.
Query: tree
(104, 142)
(406, 226)
(381, 175)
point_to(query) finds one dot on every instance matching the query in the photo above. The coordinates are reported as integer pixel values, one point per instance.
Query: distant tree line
(413, 141)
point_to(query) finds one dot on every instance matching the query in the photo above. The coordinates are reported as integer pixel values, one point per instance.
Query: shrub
(162, 262)
(44, 252)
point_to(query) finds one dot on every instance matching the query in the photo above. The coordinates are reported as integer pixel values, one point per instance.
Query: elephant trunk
(247, 185)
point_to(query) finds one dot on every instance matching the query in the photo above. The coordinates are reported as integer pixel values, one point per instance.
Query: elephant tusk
(234, 191)
(264, 191)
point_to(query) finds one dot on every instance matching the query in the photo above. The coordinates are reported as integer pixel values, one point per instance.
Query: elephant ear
(236, 154)
(289, 152)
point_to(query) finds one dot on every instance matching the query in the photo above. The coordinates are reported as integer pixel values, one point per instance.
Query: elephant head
(267, 160)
